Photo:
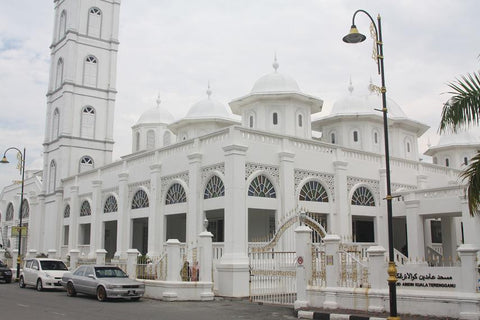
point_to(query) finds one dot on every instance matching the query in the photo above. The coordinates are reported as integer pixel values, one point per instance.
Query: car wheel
(71, 290)
(21, 283)
(101, 294)
(39, 286)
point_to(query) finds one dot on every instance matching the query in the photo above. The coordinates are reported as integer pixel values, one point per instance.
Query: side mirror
(35, 267)
(91, 276)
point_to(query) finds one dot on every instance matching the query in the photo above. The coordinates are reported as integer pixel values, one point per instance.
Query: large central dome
(275, 82)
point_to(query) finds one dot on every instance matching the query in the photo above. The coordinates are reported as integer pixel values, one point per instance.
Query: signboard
(428, 278)
(16, 231)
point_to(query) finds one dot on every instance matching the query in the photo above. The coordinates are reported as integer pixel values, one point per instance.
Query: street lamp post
(355, 37)
(22, 170)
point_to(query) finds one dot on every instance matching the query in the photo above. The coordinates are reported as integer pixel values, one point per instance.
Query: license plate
(8, 273)
(131, 292)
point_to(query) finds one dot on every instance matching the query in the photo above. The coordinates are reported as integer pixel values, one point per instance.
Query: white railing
(400, 258)
(84, 251)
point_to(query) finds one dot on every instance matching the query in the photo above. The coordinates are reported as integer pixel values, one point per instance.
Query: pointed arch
(62, 25)
(94, 22)
(90, 71)
(66, 211)
(110, 204)
(85, 209)
(55, 123)
(25, 209)
(362, 196)
(214, 188)
(140, 200)
(52, 176)
(87, 129)
(175, 194)
(262, 187)
(86, 163)
(137, 141)
(59, 74)
(313, 190)
(167, 138)
(9, 214)
(151, 139)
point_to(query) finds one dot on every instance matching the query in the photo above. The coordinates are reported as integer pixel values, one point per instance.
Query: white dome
(156, 115)
(209, 108)
(35, 165)
(461, 138)
(353, 104)
(275, 82)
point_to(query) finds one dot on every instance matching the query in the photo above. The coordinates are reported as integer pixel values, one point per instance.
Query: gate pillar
(303, 243)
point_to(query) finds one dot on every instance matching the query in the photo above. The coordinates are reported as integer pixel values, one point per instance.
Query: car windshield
(109, 272)
(53, 265)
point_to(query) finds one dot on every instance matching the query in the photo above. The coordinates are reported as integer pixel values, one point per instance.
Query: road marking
(60, 314)
(23, 305)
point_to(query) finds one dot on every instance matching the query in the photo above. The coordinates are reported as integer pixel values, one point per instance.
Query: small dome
(35, 165)
(156, 115)
(460, 138)
(353, 104)
(208, 108)
(275, 82)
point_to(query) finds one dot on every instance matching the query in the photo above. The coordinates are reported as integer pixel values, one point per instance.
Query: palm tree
(460, 111)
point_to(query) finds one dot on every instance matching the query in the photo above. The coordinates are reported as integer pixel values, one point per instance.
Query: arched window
(447, 162)
(9, 214)
(275, 118)
(313, 191)
(250, 121)
(332, 137)
(110, 205)
(176, 194)
(88, 122)
(86, 163)
(375, 137)
(300, 120)
(363, 197)
(355, 136)
(52, 176)
(408, 147)
(94, 22)
(62, 25)
(167, 138)
(137, 141)
(435, 160)
(150, 139)
(140, 200)
(59, 76)
(25, 209)
(214, 188)
(262, 187)
(55, 123)
(90, 71)
(85, 209)
(465, 161)
(66, 211)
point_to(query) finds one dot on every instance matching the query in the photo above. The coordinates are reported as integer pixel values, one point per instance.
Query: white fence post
(100, 259)
(32, 253)
(470, 280)
(52, 253)
(303, 252)
(332, 267)
(74, 253)
(205, 256)
(132, 255)
(377, 276)
(173, 260)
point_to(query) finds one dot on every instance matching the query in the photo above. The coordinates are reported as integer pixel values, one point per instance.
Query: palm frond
(463, 108)
(472, 175)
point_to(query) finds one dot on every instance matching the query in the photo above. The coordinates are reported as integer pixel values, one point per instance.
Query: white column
(303, 245)
(377, 269)
(449, 238)
(123, 223)
(74, 253)
(332, 245)
(58, 220)
(469, 281)
(132, 255)
(233, 269)
(173, 260)
(341, 221)
(194, 214)
(74, 213)
(205, 239)
(37, 237)
(415, 230)
(52, 254)
(97, 231)
(33, 223)
(100, 256)
(471, 225)
(155, 219)
(287, 191)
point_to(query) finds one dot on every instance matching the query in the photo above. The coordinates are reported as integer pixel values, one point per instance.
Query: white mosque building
(245, 167)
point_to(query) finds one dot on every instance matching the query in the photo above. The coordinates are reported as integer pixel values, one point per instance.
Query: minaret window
(275, 118)
(167, 137)
(355, 136)
(59, 76)
(9, 214)
(90, 71)
(55, 123)
(137, 141)
(447, 162)
(300, 120)
(62, 25)
(375, 137)
(52, 176)
(150, 139)
(250, 121)
(408, 147)
(86, 163)
(88, 122)
(85, 209)
(332, 138)
(94, 22)
(465, 161)
(435, 160)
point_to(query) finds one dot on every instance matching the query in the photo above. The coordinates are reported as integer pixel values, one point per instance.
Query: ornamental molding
(108, 191)
(183, 176)
(373, 185)
(134, 186)
(327, 180)
(251, 167)
(397, 186)
(206, 171)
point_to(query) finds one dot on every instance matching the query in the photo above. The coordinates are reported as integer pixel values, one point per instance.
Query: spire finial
(209, 91)
(350, 87)
(158, 100)
(275, 62)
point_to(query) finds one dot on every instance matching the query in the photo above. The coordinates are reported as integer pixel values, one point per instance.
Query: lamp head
(354, 36)
(4, 160)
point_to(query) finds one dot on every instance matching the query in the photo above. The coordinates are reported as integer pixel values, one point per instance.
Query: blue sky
(175, 47)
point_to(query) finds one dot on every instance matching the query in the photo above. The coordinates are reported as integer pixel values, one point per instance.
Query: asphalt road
(28, 304)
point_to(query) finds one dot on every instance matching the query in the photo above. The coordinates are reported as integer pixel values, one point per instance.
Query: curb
(332, 316)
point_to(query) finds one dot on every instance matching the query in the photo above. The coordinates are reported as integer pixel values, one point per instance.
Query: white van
(42, 273)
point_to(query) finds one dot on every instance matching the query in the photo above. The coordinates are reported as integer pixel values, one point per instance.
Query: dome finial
(209, 91)
(350, 87)
(275, 62)
(158, 100)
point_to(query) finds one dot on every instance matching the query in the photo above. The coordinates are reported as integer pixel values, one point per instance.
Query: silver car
(103, 281)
